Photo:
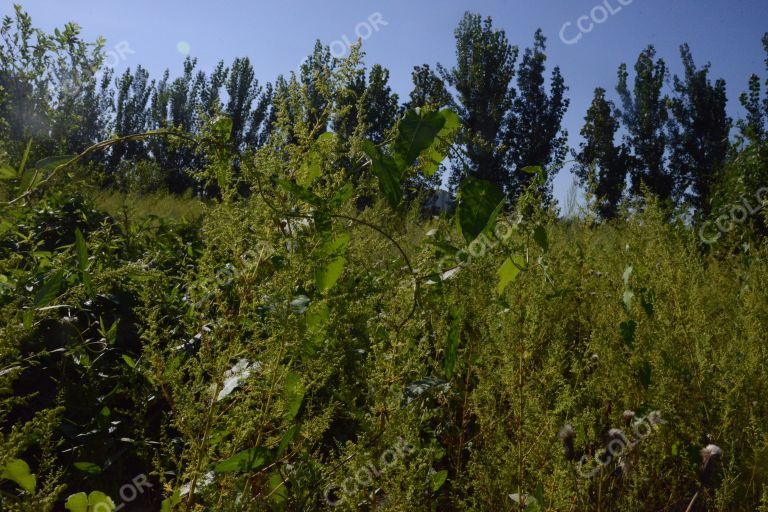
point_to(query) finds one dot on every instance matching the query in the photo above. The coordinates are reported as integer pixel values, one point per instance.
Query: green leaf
(53, 162)
(479, 204)
(29, 179)
(7, 172)
(386, 171)
(438, 479)
(337, 246)
(88, 467)
(252, 459)
(278, 493)
(25, 158)
(129, 361)
(221, 128)
(434, 155)
(327, 276)
(451, 350)
(293, 395)
(301, 192)
(342, 196)
(323, 222)
(82, 250)
(49, 290)
(18, 471)
(540, 237)
(422, 134)
(644, 374)
(508, 272)
(170, 502)
(77, 502)
(627, 330)
(286, 441)
(100, 502)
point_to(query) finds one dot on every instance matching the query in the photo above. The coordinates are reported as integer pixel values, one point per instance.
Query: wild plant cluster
(316, 336)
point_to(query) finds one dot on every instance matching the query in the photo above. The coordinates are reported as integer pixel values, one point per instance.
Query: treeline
(677, 143)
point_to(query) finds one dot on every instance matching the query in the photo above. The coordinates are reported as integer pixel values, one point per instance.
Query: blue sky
(276, 35)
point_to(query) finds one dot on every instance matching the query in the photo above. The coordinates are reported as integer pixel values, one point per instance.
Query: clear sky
(277, 34)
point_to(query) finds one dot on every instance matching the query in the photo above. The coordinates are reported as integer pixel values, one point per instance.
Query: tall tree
(428, 90)
(644, 114)
(134, 90)
(367, 103)
(381, 104)
(242, 90)
(482, 78)
(755, 126)
(534, 123)
(176, 105)
(699, 129)
(602, 165)
(44, 79)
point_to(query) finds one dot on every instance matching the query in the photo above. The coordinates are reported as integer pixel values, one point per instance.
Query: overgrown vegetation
(303, 332)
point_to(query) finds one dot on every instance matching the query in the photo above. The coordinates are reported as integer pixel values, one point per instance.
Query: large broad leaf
(479, 204)
(337, 246)
(96, 501)
(100, 502)
(434, 155)
(170, 502)
(342, 195)
(49, 290)
(77, 502)
(293, 395)
(221, 128)
(438, 479)
(452, 347)
(386, 170)
(252, 459)
(327, 275)
(423, 133)
(508, 272)
(18, 471)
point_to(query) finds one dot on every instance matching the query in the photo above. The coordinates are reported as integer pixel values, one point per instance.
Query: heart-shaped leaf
(480, 202)
(18, 471)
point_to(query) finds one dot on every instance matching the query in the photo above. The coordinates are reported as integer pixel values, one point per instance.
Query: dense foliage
(302, 331)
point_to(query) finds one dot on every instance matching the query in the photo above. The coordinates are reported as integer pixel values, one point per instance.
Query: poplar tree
(602, 164)
(699, 129)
